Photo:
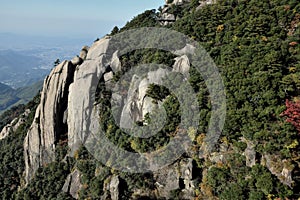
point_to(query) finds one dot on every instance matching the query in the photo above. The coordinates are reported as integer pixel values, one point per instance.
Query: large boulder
(176, 2)
(112, 188)
(176, 177)
(182, 65)
(280, 168)
(72, 184)
(137, 104)
(205, 3)
(250, 152)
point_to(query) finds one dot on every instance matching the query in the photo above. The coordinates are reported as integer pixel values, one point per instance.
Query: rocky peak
(167, 17)
(49, 125)
(176, 2)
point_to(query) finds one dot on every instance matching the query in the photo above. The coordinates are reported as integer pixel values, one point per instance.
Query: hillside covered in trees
(256, 47)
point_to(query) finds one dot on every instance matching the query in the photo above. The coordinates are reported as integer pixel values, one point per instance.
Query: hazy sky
(74, 18)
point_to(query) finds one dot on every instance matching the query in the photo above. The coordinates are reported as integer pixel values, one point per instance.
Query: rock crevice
(48, 126)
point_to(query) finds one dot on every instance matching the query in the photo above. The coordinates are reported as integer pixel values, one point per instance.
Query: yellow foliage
(292, 69)
(294, 144)
(85, 186)
(220, 28)
(134, 145)
(264, 38)
(234, 38)
(192, 133)
(206, 190)
(109, 128)
(76, 154)
(225, 140)
(270, 196)
(200, 138)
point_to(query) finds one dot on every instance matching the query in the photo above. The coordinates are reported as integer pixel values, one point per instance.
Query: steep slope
(49, 125)
(255, 45)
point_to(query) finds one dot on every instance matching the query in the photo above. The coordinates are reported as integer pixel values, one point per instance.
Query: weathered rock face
(14, 125)
(48, 126)
(84, 86)
(177, 2)
(182, 65)
(167, 18)
(112, 185)
(178, 176)
(61, 116)
(72, 184)
(205, 2)
(249, 153)
(84, 52)
(137, 104)
(280, 168)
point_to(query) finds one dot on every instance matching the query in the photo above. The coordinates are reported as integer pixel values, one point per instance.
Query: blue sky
(73, 18)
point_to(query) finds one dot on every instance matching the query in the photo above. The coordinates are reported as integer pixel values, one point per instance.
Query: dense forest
(255, 44)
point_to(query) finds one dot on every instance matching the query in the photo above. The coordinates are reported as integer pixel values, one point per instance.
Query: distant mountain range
(10, 97)
(19, 69)
(19, 41)
(25, 59)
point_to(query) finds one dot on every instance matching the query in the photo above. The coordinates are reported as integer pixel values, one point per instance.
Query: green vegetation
(11, 153)
(257, 55)
(255, 44)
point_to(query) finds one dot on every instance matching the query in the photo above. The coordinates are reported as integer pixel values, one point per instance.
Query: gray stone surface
(136, 104)
(84, 52)
(115, 62)
(280, 168)
(205, 3)
(182, 65)
(187, 167)
(77, 60)
(72, 184)
(188, 49)
(84, 85)
(39, 144)
(178, 176)
(14, 125)
(167, 18)
(111, 188)
(177, 2)
(250, 153)
(108, 76)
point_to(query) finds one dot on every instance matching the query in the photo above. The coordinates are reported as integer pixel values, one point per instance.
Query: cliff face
(85, 79)
(67, 111)
(60, 116)
(49, 125)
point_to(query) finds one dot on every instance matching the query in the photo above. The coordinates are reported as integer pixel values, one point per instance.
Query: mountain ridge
(10, 97)
(257, 154)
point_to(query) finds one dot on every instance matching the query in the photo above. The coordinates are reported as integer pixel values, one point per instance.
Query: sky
(71, 18)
